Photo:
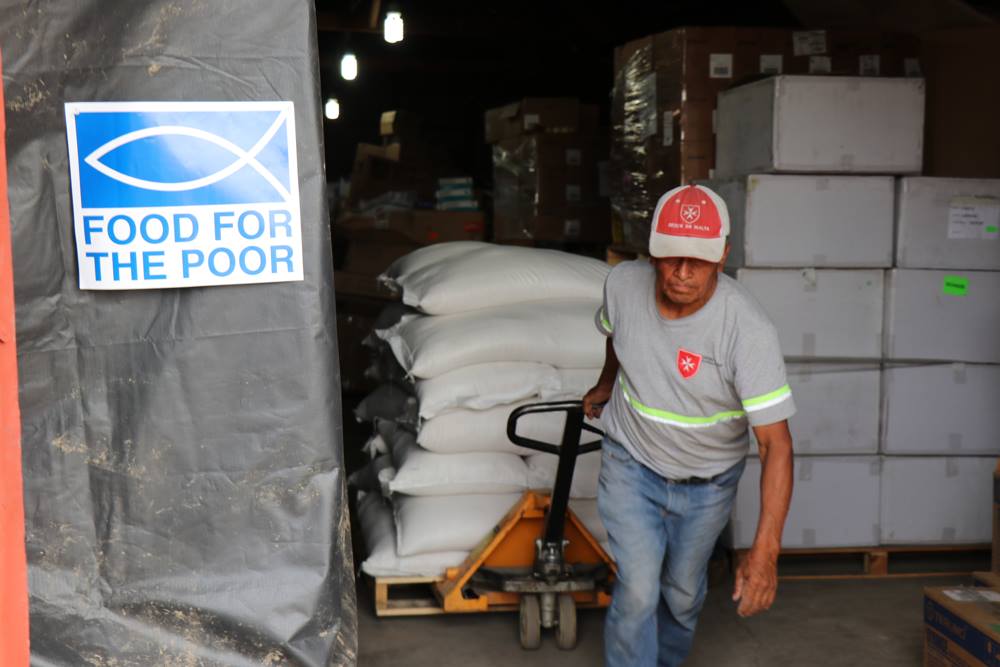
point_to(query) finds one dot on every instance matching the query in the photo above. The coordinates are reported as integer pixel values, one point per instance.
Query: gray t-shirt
(688, 388)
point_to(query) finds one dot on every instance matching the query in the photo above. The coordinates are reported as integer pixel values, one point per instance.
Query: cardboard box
(821, 124)
(836, 504)
(948, 223)
(359, 285)
(943, 315)
(936, 500)
(961, 627)
(822, 313)
(540, 114)
(963, 95)
(986, 579)
(402, 124)
(418, 227)
(574, 225)
(371, 258)
(942, 409)
(817, 221)
(837, 408)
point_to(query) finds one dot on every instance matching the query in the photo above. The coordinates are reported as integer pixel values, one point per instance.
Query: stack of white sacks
(487, 328)
(886, 452)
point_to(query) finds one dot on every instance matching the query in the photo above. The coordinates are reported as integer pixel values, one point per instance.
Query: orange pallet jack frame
(13, 569)
(539, 560)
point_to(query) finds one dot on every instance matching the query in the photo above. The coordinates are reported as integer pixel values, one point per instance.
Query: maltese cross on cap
(689, 221)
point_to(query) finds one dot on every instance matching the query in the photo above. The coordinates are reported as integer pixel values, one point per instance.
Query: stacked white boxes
(807, 167)
(941, 378)
(488, 328)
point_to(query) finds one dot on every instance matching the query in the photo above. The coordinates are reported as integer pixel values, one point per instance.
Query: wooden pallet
(406, 596)
(877, 562)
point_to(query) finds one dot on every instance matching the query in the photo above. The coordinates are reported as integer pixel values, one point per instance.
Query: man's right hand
(594, 400)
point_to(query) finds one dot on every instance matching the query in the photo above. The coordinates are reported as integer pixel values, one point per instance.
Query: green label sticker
(992, 229)
(955, 286)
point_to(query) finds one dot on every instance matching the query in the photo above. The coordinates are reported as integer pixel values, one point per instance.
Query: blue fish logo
(182, 154)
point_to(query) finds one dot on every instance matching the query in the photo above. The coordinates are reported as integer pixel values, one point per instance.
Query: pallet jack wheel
(530, 622)
(566, 632)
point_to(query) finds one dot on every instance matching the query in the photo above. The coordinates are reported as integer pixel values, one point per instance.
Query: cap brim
(710, 250)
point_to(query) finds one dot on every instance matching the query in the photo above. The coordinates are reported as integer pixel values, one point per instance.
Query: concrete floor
(853, 623)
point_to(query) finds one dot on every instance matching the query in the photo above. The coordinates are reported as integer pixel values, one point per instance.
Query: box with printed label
(540, 114)
(936, 500)
(780, 220)
(837, 408)
(835, 504)
(941, 409)
(821, 313)
(830, 124)
(948, 223)
(942, 316)
(961, 627)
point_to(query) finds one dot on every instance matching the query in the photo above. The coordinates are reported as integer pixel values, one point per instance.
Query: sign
(184, 194)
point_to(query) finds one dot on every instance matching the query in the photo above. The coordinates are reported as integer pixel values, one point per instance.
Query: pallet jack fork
(540, 559)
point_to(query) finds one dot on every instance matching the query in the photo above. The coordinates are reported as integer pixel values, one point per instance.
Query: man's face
(686, 280)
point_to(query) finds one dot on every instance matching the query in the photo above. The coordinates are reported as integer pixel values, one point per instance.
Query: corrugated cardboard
(821, 124)
(835, 504)
(948, 223)
(963, 95)
(943, 315)
(948, 409)
(780, 220)
(837, 408)
(961, 627)
(824, 313)
(540, 114)
(986, 579)
(936, 500)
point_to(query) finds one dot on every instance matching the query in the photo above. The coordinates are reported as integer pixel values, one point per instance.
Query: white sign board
(184, 194)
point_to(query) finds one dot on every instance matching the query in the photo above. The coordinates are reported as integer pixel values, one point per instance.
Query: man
(691, 361)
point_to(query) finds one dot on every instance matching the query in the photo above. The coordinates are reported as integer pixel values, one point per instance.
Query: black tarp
(184, 492)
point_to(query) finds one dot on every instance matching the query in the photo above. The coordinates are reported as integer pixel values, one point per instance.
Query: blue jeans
(662, 535)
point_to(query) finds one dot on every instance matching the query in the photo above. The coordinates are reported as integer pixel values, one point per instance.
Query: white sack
(484, 386)
(379, 533)
(496, 275)
(462, 430)
(424, 257)
(429, 524)
(423, 473)
(559, 333)
(574, 383)
(542, 473)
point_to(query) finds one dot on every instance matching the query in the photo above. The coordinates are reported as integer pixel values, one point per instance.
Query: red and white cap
(690, 221)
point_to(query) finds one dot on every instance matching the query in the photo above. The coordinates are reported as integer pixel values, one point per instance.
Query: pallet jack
(540, 559)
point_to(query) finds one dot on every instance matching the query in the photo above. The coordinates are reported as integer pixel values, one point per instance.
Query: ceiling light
(393, 27)
(349, 66)
(332, 109)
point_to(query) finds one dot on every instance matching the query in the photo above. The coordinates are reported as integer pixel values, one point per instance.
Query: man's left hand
(756, 583)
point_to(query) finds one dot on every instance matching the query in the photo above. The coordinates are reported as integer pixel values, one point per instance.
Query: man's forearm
(610, 370)
(776, 483)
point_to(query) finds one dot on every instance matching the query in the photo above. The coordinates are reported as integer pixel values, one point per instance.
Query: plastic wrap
(183, 475)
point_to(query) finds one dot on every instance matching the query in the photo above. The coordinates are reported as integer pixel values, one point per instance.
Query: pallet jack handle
(550, 546)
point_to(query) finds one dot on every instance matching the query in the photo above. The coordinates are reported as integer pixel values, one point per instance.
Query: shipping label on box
(974, 218)
(869, 65)
(809, 42)
(720, 66)
(771, 63)
(820, 65)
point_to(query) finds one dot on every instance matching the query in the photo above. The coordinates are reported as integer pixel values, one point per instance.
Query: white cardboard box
(835, 504)
(825, 124)
(937, 500)
(837, 408)
(943, 316)
(944, 409)
(948, 223)
(782, 220)
(824, 313)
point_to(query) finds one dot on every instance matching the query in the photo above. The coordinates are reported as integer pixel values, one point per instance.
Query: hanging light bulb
(349, 66)
(332, 109)
(393, 27)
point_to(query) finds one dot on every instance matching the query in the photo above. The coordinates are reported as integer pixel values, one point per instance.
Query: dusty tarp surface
(184, 491)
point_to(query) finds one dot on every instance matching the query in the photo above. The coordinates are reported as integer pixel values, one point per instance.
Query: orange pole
(13, 567)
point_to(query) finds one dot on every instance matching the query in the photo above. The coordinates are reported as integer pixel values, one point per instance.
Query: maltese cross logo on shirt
(688, 363)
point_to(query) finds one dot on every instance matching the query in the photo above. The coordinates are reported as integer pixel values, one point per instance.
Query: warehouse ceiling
(460, 58)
